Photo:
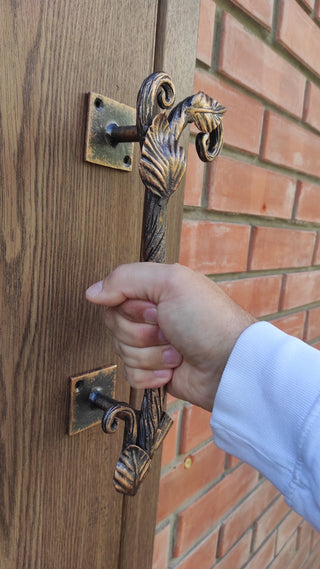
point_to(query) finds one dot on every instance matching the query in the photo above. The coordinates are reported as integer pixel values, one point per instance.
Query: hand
(171, 326)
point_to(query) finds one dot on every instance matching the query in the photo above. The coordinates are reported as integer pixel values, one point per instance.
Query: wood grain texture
(176, 45)
(64, 224)
(177, 32)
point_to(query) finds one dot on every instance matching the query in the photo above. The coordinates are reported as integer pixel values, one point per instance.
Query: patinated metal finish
(143, 434)
(103, 115)
(162, 166)
(84, 415)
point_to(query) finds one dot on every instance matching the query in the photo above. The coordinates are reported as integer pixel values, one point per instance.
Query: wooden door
(65, 224)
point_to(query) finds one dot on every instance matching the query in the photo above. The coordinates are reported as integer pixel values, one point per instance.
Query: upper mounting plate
(103, 112)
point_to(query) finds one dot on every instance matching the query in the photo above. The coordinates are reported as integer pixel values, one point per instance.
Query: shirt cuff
(264, 397)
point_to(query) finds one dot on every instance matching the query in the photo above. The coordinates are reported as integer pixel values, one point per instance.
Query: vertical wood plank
(64, 224)
(177, 32)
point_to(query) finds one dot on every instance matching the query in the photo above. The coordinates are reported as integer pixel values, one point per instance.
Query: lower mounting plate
(83, 414)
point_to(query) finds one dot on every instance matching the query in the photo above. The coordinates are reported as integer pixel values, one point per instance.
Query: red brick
(286, 529)
(273, 248)
(299, 34)
(171, 400)
(305, 534)
(169, 447)
(260, 10)
(292, 324)
(316, 260)
(313, 324)
(180, 483)
(269, 521)
(194, 178)
(301, 556)
(161, 548)
(211, 247)
(195, 428)
(206, 29)
(300, 288)
(290, 145)
(244, 515)
(204, 512)
(286, 555)
(264, 556)
(252, 63)
(316, 345)
(202, 556)
(308, 204)
(312, 106)
(244, 188)
(238, 555)
(315, 539)
(241, 134)
(308, 3)
(304, 540)
(313, 561)
(232, 461)
(258, 295)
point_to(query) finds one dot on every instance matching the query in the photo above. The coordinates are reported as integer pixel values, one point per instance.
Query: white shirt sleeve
(267, 413)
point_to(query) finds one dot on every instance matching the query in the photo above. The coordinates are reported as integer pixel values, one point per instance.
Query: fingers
(148, 379)
(134, 323)
(145, 281)
(149, 358)
(139, 311)
(149, 367)
(132, 333)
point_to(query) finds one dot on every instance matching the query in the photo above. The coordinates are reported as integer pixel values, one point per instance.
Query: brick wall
(252, 223)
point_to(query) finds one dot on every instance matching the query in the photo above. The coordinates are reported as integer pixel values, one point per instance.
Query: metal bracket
(83, 413)
(103, 115)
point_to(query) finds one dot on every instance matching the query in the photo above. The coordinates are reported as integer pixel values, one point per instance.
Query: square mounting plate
(101, 113)
(84, 414)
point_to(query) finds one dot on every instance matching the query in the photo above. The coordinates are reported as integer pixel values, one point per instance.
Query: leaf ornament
(132, 468)
(162, 162)
(205, 112)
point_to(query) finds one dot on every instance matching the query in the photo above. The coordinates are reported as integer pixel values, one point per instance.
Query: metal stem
(122, 133)
(102, 401)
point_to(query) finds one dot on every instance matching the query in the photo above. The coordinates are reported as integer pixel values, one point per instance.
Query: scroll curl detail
(162, 162)
(128, 414)
(207, 115)
(156, 89)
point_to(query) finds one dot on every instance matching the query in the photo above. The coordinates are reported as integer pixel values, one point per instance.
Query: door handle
(162, 166)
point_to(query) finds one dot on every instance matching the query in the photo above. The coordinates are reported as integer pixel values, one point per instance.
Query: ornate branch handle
(162, 166)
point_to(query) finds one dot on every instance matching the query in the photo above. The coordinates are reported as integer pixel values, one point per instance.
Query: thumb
(144, 281)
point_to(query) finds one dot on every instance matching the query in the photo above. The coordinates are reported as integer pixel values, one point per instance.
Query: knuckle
(117, 347)
(142, 337)
(176, 274)
(108, 317)
(137, 377)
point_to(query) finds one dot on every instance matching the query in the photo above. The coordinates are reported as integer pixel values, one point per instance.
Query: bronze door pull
(162, 166)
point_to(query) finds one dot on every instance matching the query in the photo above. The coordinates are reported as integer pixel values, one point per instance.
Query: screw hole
(127, 160)
(98, 104)
(79, 385)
